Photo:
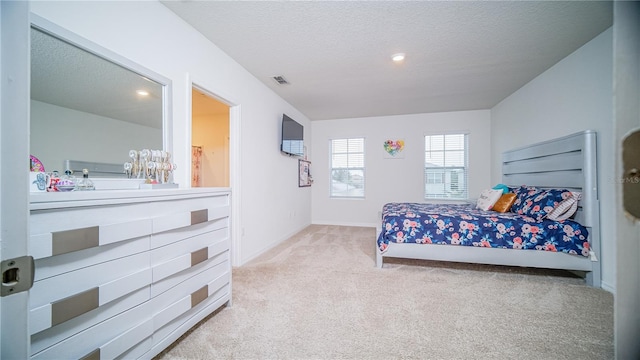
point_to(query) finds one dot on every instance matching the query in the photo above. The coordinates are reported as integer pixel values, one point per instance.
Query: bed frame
(568, 162)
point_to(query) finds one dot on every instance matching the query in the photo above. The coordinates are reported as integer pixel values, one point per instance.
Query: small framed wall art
(393, 149)
(304, 173)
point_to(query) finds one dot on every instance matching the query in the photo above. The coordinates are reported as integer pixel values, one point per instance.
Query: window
(347, 167)
(434, 178)
(445, 166)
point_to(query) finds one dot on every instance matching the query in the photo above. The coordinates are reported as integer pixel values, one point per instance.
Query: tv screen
(292, 137)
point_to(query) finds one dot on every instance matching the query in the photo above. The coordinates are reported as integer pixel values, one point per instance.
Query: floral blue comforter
(463, 224)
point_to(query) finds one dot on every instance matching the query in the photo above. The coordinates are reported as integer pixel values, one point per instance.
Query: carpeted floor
(318, 295)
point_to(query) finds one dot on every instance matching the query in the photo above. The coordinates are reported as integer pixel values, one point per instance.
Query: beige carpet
(319, 296)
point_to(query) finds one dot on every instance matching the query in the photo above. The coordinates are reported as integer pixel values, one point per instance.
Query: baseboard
(271, 246)
(608, 287)
(335, 223)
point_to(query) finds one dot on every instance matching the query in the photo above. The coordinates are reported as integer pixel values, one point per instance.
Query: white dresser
(124, 273)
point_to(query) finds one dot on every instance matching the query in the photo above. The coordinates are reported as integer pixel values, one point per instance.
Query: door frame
(235, 161)
(626, 80)
(14, 151)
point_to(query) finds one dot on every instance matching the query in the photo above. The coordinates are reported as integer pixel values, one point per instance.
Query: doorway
(218, 117)
(209, 140)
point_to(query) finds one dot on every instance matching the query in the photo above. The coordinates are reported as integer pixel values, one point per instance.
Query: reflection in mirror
(89, 109)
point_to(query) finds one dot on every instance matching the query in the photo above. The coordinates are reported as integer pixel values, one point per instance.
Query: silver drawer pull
(94, 355)
(73, 240)
(199, 295)
(76, 305)
(199, 256)
(199, 216)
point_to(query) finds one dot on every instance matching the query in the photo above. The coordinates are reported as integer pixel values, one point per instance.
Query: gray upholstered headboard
(96, 169)
(569, 162)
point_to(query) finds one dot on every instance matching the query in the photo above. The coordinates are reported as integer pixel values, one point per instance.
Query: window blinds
(445, 166)
(347, 167)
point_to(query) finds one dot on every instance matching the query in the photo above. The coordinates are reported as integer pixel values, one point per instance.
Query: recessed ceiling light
(142, 92)
(397, 57)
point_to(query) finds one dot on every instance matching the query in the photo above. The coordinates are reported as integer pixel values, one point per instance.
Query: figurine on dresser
(154, 166)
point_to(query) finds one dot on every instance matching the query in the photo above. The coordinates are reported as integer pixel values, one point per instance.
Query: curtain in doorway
(196, 166)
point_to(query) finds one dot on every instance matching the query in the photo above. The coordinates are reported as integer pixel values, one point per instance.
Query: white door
(14, 155)
(626, 45)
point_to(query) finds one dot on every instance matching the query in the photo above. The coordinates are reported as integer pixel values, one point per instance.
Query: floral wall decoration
(196, 166)
(393, 149)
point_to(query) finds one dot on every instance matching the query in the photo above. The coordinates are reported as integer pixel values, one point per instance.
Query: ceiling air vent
(280, 80)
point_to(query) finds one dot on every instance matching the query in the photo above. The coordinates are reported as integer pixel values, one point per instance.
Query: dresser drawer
(60, 298)
(103, 335)
(138, 351)
(134, 337)
(53, 335)
(190, 217)
(189, 294)
(170, 236)
(59, 287)
(220, 261)
(75, 229)
(189, 252)
(185, 309)
(171, 332)
(60, 264)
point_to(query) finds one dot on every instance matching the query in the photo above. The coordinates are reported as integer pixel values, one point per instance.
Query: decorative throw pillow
(503, 187)
(522, 193)
(537, 203)
(566, 208)
(504, 203)
(488, 198)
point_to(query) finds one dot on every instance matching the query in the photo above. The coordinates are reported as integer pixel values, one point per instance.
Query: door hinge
(17, 275)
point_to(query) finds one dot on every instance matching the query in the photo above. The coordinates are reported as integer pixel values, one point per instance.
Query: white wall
(573, 95)
(103, 139)
(212, 133)
(148, 33)
(393, 180)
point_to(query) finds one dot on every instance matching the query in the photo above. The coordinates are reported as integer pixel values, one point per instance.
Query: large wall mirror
(90, 105)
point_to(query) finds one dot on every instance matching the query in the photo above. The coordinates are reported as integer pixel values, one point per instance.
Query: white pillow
(566, 208)
(488, 198)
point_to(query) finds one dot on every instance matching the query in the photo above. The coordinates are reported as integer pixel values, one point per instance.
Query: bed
(461, 233)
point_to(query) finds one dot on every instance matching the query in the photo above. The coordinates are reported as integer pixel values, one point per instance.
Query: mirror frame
(74, 39)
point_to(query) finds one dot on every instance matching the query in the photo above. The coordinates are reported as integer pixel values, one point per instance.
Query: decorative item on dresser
(123, 274)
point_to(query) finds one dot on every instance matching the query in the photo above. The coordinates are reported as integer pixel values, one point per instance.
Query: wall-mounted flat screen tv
(292, 137)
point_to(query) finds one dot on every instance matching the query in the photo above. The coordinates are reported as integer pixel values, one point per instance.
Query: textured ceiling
(461, 55)
(65, 75)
